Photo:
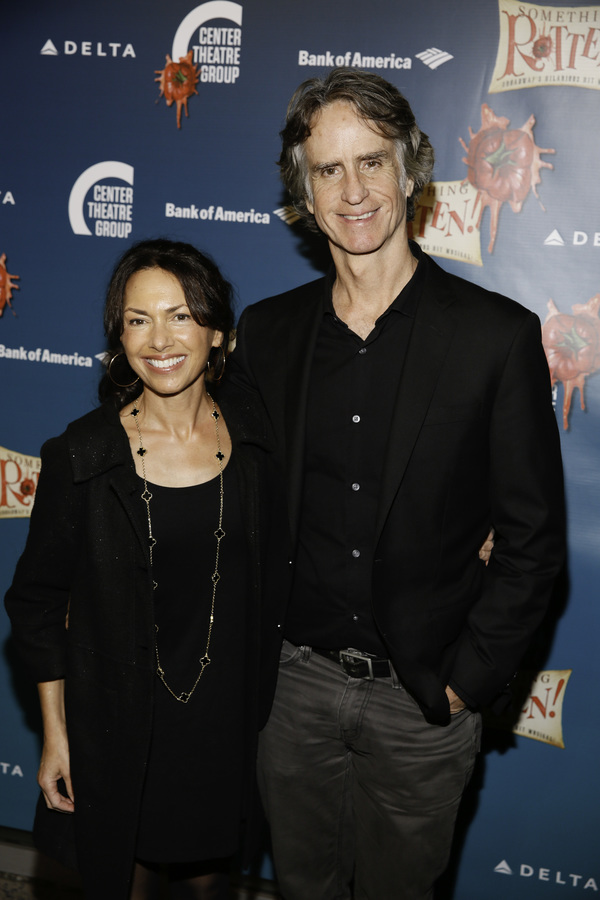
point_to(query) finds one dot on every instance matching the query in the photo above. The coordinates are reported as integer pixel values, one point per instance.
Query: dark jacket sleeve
(37, 602)
(527, 505)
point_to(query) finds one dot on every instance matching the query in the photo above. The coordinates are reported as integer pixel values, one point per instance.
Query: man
(411, 410)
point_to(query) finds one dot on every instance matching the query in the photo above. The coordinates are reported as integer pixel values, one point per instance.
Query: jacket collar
(97, 443)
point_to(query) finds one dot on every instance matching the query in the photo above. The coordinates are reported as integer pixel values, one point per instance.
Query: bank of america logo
(287, 214)
(434, 57)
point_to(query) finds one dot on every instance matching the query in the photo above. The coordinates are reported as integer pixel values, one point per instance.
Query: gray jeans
(360, 791)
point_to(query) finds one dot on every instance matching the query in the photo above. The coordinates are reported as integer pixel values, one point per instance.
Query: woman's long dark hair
(207, 294)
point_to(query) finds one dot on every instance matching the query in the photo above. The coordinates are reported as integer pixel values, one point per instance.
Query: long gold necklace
(204, 660)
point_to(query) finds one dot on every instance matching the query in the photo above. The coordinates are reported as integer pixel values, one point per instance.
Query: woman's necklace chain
(184, 696)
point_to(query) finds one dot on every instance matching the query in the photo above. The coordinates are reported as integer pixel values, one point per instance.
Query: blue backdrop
(92, 158)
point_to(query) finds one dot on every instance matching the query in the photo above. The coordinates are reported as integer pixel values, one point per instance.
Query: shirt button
(356, 486)
(362, 350)
(356, 554)
(355, 618)
(356, 418)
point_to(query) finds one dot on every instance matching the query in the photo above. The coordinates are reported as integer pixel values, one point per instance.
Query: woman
(135, 603)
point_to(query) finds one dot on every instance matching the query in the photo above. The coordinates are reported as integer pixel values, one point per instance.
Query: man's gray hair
(377, 102)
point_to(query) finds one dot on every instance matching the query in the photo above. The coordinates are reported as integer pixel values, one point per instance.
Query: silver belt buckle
(352, 655)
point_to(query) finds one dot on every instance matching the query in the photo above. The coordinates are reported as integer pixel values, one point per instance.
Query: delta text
(10, 769)
(588, 884)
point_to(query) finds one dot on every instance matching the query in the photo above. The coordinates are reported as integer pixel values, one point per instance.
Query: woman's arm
(55, 763)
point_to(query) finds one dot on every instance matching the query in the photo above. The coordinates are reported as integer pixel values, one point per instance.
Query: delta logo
(202, 53)
(7, 286)
(579, 239)
(101, 209)
(19, 475)
(546, 46)
(503, 166)
(550, 876)
(111, 49)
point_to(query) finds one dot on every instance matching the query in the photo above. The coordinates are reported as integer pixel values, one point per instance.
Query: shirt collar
(407, 300)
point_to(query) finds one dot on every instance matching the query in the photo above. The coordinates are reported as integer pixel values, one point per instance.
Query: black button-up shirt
(351, 399)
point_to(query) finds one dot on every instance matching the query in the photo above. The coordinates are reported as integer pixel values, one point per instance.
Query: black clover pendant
(141, 452)
(220, 456)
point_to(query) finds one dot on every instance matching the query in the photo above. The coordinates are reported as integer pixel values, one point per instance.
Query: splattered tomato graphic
(504, 165)
(542, 47)
(572, 345)
(6, 286)
(178, 82)
(27, 487)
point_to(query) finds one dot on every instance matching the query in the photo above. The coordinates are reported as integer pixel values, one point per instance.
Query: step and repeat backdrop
(125, 120)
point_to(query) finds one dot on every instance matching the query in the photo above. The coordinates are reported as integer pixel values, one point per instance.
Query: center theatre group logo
(217, 50)
(6, 286)
(109, 207)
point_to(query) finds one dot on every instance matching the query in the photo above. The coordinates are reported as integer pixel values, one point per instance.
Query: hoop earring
(216, 370)
(109, 373)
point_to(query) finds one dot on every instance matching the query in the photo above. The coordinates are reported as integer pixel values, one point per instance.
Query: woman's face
(162, 342)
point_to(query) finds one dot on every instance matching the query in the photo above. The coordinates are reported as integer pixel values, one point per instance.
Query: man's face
(358, 199)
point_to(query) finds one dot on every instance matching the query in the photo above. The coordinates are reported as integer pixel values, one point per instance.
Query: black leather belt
(357, 664)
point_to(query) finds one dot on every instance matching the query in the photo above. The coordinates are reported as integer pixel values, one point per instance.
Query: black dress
(192, 794)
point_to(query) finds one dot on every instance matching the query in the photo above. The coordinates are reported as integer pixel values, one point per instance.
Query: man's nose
(355, 188)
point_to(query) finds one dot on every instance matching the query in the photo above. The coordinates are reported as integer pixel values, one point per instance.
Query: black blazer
(473, 441)
(87, 551)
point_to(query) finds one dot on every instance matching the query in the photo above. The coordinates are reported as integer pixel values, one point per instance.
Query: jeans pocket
(289, 654)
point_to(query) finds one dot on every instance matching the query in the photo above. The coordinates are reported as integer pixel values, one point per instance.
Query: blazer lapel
(125, 484)
(98, 445)
(430, 340)
(301, 331)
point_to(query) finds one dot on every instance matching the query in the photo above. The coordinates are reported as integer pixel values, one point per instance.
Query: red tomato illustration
(503, 165)
(28, 487)
(6, 286)
(178, 82)
(542, 47)
(572, 345)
